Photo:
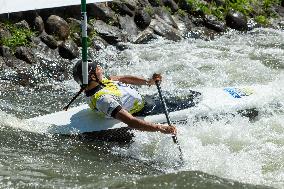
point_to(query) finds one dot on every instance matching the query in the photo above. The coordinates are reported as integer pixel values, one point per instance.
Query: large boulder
(75, 26)
(184, 5)
(160, 27)
(236, 20)
(111, 34)
(2, 63)
(156, 3)
(25, 54)
(68, 50)
(171, 4)
(128, 25)
(202, 33)
(5, 51)
(213, 23)
(279, 10)
(49, 40)
(184, 24)
(4, 32)
(121, 8)
(22, 24)
(57, 26)
(99, 43)
(142, 19)
(102, 12)
(38, 25)
(166, 16)
(145, 36)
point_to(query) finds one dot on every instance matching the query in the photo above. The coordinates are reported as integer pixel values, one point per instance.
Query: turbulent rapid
(228, 151)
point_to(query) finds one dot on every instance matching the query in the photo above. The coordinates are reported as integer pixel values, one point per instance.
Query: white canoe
(81, 119)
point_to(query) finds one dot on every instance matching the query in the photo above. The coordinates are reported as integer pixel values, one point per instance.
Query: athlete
(113, 97)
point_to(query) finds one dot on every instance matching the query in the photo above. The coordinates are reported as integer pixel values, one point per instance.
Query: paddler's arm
(134, 80)
(142, 125)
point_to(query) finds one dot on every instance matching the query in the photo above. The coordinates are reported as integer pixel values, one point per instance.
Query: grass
(261, 10)
(19, 36)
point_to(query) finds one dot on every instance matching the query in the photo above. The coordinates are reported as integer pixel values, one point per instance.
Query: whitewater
(228, 151)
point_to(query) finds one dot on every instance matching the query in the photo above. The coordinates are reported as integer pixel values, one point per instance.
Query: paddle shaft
(174, 137)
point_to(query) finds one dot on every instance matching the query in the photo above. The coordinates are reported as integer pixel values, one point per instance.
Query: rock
(102, 12)
(25, 54)
(145, 36)
(212, 22)
(184, 5)
(75, 30)
(23, 24)
(17, 71)
(184, 24)
(198, 22)
(2, 64)
(5, 51)
(281, 24)
(121, 46)
(77, 39)
(24, 76)
(202, 33)
(99, 43)
(236, 20)
(121, 8)
(4, 32)
(68, 50)
(171, 4)
(39, 24)
(56, 25)
(280, 10)
(220, 2)
(142, 19)
(131, 4)
(156, 3)
(49, 40)
(252, 24)
(282, 3)
(15, 63)
(75, 26)
(35, 40)
(128, 25)
(166, 16)
(109, 33)
(160, 27)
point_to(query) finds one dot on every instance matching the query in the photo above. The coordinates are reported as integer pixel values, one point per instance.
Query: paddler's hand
(166, 129)
(155, 77)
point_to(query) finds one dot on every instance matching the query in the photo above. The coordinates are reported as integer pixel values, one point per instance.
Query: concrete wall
(9, 6)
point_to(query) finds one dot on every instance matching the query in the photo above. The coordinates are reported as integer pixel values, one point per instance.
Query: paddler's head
(95, 72)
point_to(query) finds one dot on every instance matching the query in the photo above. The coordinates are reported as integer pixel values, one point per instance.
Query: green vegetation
(149, 10)
(19, 36)
(261, 10)
(181, 12)
(167, 9)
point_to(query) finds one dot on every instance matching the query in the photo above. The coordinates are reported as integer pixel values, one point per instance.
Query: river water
(229, 152)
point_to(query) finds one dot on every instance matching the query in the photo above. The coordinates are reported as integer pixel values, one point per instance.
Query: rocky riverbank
(55, 33)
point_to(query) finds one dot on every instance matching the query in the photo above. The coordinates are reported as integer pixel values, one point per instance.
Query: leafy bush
(260, 9)
(19, 37)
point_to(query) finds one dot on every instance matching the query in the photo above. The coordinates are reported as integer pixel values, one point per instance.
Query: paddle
(174, 137)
